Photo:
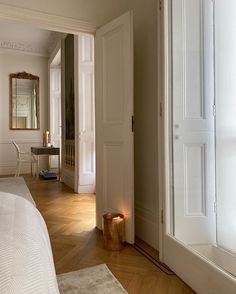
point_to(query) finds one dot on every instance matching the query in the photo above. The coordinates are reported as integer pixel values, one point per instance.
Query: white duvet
(26, 262)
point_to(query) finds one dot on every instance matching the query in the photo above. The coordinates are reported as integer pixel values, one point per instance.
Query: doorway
(72, 109)
(114, 107)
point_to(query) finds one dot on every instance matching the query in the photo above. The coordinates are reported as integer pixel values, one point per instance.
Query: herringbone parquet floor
(76, 243)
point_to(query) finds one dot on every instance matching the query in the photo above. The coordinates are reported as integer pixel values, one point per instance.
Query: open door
(85, 114)
(55, 111)
(114, 117)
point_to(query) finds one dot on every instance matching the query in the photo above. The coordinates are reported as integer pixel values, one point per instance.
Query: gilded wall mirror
(24, 101)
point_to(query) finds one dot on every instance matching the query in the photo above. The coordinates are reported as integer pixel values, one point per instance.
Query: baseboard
(147, 230)
(86, 189)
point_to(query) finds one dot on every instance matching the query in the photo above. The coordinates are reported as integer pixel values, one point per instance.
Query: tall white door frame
(54, 72)
(202, 275)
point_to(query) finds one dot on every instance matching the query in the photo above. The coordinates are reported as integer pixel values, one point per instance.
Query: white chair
(22, 158)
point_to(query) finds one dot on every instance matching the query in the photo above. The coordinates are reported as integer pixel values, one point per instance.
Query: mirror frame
(27, 76)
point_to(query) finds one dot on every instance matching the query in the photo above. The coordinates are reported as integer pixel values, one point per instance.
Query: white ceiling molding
(45, 20)
(24, 47)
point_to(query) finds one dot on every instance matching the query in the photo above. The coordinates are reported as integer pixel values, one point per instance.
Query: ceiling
(21, 37)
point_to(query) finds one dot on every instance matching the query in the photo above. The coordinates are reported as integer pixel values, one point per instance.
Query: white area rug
(16, 186)
(93, 280)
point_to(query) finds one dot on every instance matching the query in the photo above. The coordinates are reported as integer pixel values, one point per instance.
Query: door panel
(114, 110)
(55, 111)
(86, 115)
(194, 199)
(193, 121)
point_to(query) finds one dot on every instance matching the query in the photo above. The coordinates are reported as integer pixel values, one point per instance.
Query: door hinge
(132, 123)
(162, 217)
(214, 110)
(161, 110)
(160, 4)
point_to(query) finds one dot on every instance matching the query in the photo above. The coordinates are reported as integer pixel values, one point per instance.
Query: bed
(26, 262)
(16, 186)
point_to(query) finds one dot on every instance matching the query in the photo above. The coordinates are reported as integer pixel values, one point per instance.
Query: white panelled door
(55, 111)
(86, 182)
(193, 121)
(114, 110)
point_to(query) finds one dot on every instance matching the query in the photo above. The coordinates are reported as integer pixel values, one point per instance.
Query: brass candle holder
(113, 231)
(46, 139)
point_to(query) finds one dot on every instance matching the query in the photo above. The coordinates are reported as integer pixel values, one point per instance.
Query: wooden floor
(76, 243)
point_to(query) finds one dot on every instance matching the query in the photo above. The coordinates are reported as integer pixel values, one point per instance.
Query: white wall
(226, 122)
(97, 12)
(146, 116)
(13, 63)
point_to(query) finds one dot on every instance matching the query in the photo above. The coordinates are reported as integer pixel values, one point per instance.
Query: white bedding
(16, 186)
(26, 262)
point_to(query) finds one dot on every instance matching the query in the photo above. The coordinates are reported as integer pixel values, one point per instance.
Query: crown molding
(18, 52)
(46, 21)
(24, 47)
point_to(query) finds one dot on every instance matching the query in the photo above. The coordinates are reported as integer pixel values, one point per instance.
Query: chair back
(17, 149)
